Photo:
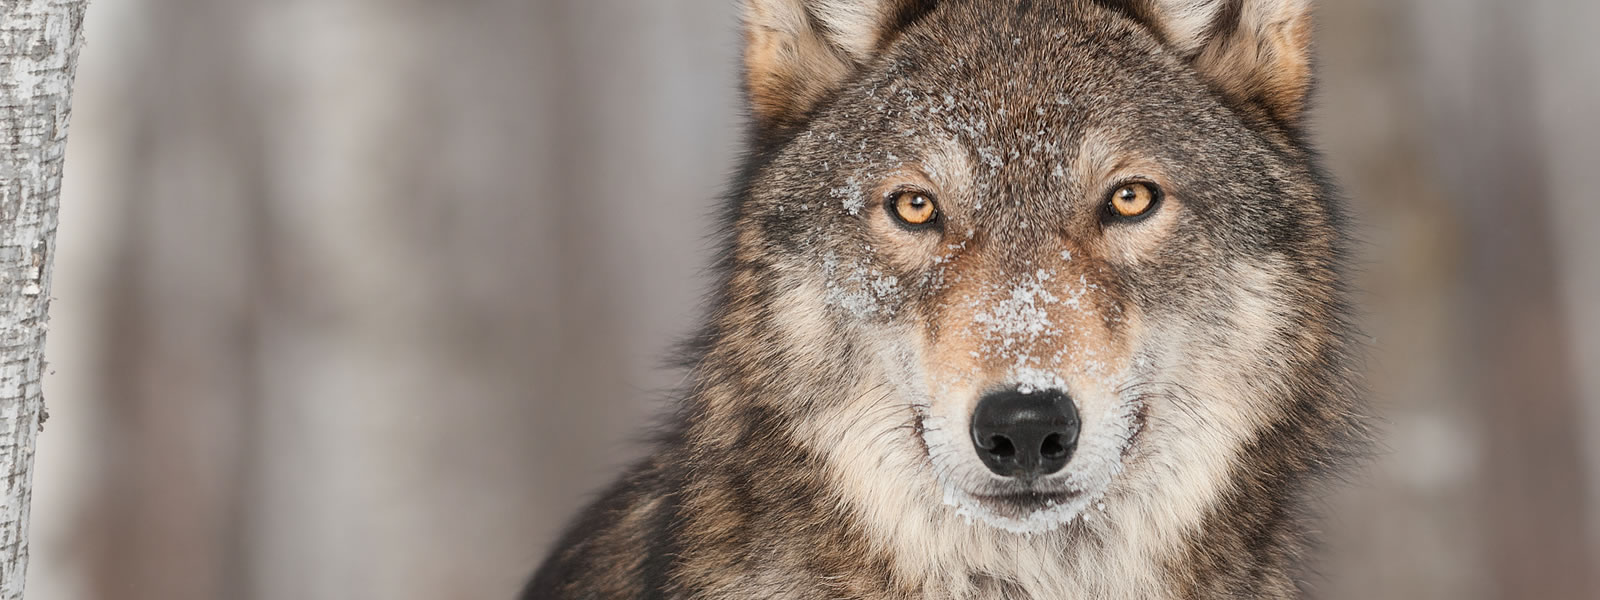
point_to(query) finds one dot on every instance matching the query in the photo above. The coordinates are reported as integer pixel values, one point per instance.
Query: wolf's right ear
(796, 52)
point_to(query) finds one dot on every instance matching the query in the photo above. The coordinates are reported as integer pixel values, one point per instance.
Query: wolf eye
(1134, 199)
(913, 207)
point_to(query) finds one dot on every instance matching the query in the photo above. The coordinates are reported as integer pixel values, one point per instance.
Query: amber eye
(1134, 199)
(913, 207)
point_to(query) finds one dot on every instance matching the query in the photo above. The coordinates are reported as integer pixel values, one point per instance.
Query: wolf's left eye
(1133, 199)
(913, 207)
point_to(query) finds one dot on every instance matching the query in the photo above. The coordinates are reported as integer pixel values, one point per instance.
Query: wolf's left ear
(798, 51)
(1253, 51)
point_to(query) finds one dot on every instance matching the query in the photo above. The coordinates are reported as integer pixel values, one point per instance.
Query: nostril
(1052, 447)
(1002, 447)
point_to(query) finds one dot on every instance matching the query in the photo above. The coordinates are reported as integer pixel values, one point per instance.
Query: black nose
(1025, 435)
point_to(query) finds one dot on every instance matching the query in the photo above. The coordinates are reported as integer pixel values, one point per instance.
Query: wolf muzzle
(1025, 435)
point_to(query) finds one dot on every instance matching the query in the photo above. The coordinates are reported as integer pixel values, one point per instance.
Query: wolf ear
(1253, 51)
(798, 51)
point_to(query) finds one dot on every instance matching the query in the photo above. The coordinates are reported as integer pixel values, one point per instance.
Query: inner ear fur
(799, 51)
(1254, 52)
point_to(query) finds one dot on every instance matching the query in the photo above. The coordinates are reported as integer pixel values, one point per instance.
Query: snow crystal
(1020, 313)
(850, 195)
(860, 290)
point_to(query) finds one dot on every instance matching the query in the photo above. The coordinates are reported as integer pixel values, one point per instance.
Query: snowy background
(364, 298)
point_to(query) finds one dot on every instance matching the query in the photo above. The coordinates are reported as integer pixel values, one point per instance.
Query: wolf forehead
(1006, 95)
(1063, 66)
(1024, 101)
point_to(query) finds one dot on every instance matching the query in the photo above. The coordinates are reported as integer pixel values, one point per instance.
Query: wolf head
(1021, 265)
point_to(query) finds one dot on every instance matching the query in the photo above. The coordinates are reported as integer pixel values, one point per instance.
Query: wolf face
(1088, 219)
(1019, 299)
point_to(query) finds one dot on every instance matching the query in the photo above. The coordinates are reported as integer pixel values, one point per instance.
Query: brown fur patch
(997, 320)
(787, 72)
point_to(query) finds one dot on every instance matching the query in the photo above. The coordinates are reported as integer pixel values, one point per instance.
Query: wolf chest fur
(1019, 299)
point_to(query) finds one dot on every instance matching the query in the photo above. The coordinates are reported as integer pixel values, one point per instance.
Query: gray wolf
(1018, 299)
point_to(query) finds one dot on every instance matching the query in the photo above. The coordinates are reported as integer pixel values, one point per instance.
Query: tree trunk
(39, 41)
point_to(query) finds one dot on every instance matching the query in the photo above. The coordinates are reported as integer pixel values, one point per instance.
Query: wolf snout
(1025, 435)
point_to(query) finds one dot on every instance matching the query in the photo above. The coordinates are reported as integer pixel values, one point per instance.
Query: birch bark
(39, 41)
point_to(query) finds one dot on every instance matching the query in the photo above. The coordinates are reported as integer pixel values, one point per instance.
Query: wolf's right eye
(914, 208)
(1133, 199)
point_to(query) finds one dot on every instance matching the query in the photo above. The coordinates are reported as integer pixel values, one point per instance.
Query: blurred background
(364, 298)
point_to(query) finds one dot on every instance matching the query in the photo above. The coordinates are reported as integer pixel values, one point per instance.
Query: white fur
(855, 26)
(1184, 22)
(858, 23)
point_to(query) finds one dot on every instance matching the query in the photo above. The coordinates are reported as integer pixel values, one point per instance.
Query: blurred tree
(1479, 75)
(39, 41)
